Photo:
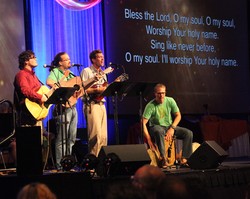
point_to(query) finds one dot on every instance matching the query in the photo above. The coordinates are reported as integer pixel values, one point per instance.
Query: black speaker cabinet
(209, 155)
(123, 159)
(29, 151)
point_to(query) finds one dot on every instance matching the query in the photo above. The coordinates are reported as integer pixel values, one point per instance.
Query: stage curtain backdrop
(50, 29)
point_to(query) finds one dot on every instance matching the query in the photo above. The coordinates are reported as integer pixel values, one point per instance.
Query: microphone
(75, 65)
(48, 66)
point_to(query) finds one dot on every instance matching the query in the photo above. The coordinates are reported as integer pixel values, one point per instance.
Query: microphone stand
(85, 98)
(115, 106)
(64, 123)
(85, 94)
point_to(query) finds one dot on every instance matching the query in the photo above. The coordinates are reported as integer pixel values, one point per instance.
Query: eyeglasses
(66, 60)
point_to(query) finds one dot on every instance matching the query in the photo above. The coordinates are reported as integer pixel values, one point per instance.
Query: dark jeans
(158, 133)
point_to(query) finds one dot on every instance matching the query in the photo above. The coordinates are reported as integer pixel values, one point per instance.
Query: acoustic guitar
(39, 111)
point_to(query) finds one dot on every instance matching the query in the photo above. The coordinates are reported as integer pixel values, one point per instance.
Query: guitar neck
(89, 82)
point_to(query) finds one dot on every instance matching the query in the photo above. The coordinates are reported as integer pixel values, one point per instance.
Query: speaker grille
(131, 158)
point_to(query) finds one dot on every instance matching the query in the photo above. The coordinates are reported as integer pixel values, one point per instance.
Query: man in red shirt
(27, 85)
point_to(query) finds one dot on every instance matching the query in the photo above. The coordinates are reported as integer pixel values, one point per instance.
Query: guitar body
(73, 82)
(97, 97)
(38, 111)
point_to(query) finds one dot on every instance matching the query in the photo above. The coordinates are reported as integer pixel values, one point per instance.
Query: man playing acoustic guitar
(94, 108)
(27, 85)
(61, 76)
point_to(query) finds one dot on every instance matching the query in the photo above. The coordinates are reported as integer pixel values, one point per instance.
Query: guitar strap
(40, 82)
(71, 75)
(57, 76)
(94, 72)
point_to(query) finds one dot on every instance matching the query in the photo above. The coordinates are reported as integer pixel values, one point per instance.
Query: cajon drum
(170, 152)
(156, 158)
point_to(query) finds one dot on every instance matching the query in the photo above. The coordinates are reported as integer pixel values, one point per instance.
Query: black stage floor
(228, 181)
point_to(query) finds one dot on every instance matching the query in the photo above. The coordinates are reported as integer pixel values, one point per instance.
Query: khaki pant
(97, 127)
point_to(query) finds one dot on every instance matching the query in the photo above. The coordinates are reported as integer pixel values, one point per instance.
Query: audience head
(197, 188)
(122, 190)
(172, 187)
(36, 191)
(148, 178)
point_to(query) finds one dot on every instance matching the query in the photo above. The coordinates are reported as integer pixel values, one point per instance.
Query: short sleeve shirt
(160, 114)
(91, 72)
(56, 74)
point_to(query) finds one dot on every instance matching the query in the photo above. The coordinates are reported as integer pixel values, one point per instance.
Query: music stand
(141, 89)
(115, 89)
(60, 96)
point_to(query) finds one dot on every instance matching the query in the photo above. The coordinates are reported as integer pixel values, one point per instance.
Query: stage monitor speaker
(29, 151)
(209, 155)
(123, 159)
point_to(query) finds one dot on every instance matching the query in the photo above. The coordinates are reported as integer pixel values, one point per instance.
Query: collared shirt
(91, 72)
(56, 74)
(26, 85)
